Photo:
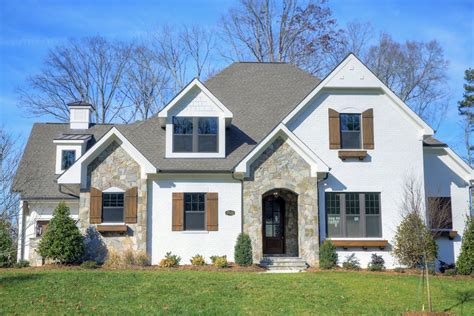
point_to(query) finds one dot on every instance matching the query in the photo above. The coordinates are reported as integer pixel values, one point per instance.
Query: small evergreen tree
(465, 263)
(243, 250)
(62, 241)
(414, 243)
(327, 255)
(7, 249)
(466, 110)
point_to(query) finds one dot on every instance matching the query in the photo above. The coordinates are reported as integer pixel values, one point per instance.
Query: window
(41, 227)
(350, 131)
(195, 134)
(68, 158)
(112, 208)
(353, 215)
(194, 211)
(440, 213)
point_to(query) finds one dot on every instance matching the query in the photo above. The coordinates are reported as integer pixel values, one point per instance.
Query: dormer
(195, 122)
(69, 148)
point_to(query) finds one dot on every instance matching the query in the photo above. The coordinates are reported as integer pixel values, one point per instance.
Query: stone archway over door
(281, 167)
(280, 223)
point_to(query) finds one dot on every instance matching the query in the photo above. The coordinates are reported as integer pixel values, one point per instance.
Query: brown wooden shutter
(334, 130)
(178, 211)
(368, 128)
(212, 211)
(96, 206)
(131, 197)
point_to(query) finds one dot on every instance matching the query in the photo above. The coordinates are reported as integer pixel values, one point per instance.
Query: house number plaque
(230, 213)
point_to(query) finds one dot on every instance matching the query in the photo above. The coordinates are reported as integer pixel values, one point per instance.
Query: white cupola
(80, 113)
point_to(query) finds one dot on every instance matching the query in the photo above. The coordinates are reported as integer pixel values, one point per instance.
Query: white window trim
(113, 190)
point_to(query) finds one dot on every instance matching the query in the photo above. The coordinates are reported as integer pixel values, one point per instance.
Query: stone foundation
(280, 167)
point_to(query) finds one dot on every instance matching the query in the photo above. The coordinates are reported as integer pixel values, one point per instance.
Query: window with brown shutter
(334, 130)
(131, 196)
(178, 211)
(212, 211)
(95, 208)
(368, 128)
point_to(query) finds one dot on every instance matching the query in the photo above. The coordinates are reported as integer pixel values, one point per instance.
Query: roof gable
(316, 164)
(195, 89)
(351, 73)
(77, 174)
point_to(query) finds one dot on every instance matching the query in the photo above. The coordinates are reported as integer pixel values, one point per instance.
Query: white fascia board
(316, 164)
(163, 114)
(468, 172)
(69, 141)
(427, 130)
(76, 174)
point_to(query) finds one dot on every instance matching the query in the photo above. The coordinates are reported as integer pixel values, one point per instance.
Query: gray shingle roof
(259, 95)
(433, 142)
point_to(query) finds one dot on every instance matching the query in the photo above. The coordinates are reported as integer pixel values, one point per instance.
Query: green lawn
(33, 291)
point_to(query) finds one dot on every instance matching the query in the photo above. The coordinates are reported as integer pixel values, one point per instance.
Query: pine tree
(466, 109)
(465, 263)
(62, 241)
(243, 250)
(7, 250)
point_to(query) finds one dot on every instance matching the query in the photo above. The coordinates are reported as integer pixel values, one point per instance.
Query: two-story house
(261, 148)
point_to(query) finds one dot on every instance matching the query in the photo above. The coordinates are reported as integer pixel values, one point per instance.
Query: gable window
(67, 158)
(194, 211)
(112, 207)
(353, 214)
(440, 213)
(195, 134)
(350, 131)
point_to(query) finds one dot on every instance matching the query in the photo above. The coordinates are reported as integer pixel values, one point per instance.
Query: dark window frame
(343, 132)
(63, 164)
(40, 227)
(204, 212)
(333, 210)
(117, 206)
(195, 135)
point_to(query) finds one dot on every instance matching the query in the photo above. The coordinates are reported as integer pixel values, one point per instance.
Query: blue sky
(29, 28)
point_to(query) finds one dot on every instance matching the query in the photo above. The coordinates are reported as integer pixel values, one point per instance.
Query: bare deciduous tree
(89, 69)
(265, 30)
(145, 84)
(199, 44)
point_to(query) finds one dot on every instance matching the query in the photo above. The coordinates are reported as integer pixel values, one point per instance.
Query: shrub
(62, 241)
(113, 258)
(465, 263)
(243, 250)
(170, 261)
(377, 263)
(351, 263)
(327, 255)
(413, 240)
(7, 249)
(89, 264)
(220, 262)
(198, 260)
(399, 270)
(21, 264)
(142, 259)
(128, 257)
(450, 272)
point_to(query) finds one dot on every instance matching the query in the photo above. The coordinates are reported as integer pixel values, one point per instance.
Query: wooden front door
(273, 225)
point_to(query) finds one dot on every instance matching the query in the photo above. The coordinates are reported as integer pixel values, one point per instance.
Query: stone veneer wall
(280, 167)
(115, 168)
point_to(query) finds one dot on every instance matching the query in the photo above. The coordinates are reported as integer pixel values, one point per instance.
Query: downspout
(318, 195)
(241, 201)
